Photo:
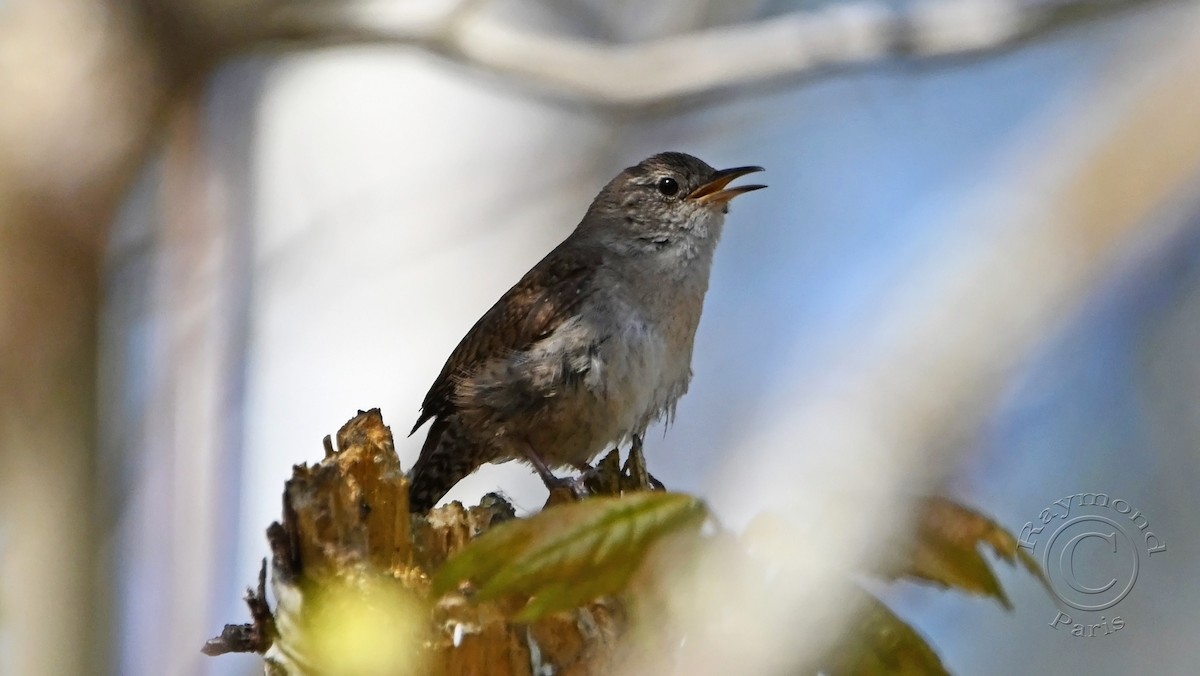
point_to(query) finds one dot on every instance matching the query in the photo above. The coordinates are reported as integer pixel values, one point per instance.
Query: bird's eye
(667, 186)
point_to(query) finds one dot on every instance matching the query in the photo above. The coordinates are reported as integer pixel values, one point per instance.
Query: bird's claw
(565, 489)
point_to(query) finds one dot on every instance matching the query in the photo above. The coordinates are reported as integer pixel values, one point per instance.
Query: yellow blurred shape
(369, 628)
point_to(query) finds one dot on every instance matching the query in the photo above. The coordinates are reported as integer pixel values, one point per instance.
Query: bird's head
(666, 201)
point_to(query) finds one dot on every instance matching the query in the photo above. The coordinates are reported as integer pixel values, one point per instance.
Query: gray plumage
(594, 343)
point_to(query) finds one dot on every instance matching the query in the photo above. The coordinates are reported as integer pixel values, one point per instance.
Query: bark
(346, 525)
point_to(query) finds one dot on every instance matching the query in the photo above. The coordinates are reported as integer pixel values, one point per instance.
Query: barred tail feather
(446, 458)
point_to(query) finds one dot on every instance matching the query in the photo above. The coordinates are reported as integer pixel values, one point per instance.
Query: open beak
(715, 191)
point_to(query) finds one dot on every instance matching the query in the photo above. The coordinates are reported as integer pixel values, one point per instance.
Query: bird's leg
(586, 473)
(552, 482)
(582, 467)
(538, 464)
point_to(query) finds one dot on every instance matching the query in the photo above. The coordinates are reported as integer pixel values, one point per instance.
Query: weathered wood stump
(347, 542)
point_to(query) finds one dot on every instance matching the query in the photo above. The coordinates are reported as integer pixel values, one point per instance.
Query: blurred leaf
(363, 627)
(879, 642)
(570, 554)
(945, 550)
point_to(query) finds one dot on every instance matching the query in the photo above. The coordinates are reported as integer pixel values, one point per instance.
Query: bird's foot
(608, 477)
(562, 489)
(566, 489)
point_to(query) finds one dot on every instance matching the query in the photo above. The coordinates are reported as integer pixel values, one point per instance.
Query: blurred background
(226, 227)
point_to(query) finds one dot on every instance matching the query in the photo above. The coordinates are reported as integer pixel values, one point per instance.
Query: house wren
(594, 343)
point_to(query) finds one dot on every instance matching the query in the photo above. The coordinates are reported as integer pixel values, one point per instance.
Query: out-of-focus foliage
(570, 554)
(944, 550)
(373, 626)
(880, 643)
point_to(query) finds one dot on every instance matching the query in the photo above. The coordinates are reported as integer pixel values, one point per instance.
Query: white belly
(640, 378)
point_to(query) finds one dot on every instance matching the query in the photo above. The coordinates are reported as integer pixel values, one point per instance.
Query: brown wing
(546, 296)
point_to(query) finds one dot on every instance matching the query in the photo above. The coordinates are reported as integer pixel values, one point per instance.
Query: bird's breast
(644, 367)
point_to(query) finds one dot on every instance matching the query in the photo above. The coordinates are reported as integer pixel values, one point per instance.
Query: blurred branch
(648, 73)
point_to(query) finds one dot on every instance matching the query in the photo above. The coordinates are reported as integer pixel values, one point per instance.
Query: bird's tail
(446, 458)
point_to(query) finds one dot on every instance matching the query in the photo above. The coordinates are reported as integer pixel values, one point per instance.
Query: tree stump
(350, 572)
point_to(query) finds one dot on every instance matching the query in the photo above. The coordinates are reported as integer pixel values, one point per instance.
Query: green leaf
(570, 554)
(877, 642)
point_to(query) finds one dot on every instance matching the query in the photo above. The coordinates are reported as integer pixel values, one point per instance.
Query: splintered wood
(350, 572)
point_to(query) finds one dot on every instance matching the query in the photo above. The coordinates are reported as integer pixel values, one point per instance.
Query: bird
(593, 344)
